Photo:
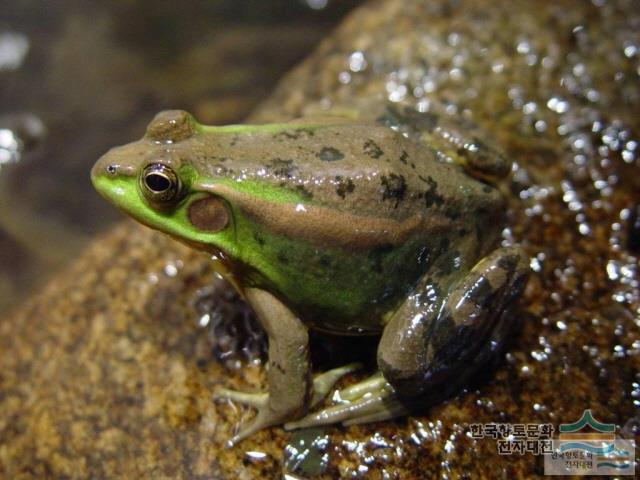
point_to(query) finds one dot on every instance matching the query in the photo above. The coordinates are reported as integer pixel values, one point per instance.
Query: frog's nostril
(111, 169)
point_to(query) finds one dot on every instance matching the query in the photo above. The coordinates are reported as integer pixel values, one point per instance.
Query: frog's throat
(328, 227)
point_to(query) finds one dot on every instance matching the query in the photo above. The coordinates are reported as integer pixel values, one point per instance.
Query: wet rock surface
(107, 374)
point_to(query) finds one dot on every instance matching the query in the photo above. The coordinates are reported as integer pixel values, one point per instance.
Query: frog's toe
(368, 401)
(374, 384)
(255, 400)
(385, 410)
(264, 419)
(324, 382)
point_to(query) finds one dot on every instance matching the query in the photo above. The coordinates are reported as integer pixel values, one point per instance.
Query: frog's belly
(346, 293)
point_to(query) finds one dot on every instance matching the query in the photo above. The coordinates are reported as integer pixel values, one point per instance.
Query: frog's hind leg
(421, 349)
(427, 353)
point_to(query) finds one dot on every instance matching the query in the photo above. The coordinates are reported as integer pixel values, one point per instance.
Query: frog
(344, 225)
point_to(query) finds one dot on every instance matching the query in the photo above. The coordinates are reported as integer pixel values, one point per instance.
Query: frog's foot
(324, 382)
(371, 400)
(266, 416)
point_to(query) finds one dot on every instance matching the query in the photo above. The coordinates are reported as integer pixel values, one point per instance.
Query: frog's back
(366, 170)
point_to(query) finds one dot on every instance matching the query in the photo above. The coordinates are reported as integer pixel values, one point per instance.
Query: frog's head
(155, 181)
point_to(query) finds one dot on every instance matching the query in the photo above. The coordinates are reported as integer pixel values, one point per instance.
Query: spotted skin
(372, 149)
(394, 188)
(330, 154)
(345, 186)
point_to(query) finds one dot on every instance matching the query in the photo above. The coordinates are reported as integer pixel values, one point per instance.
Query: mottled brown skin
(380, 165)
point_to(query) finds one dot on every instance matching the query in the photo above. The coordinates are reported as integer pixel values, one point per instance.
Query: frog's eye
(160, 184)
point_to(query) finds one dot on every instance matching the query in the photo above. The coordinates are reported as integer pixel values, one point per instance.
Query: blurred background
(77, 78)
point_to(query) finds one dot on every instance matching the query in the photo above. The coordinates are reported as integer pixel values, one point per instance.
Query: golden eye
(160, 184)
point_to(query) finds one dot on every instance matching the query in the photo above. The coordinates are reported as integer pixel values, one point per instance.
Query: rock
(107, 375)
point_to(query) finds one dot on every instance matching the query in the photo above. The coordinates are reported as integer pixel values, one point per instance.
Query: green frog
(345, 225)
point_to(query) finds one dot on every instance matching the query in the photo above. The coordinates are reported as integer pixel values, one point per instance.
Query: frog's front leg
(428, 351)
(288, 374)
(290, 388)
